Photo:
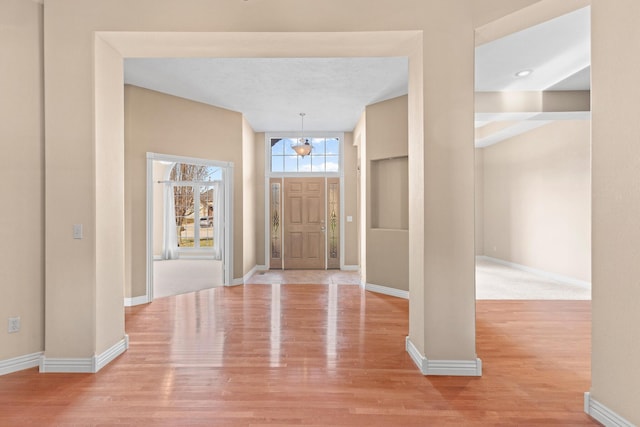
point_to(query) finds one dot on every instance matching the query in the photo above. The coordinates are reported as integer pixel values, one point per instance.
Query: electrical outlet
(77, 231)
(14, 325)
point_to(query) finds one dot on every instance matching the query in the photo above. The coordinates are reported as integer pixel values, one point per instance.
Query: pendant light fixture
(302, 147)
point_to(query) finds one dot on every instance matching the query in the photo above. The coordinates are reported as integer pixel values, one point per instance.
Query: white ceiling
(271, 92)
(333, 92)
(557, 52)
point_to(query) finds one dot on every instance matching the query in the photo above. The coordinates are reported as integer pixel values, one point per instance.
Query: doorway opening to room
(303, 207)
(187, 211)
(533, 162)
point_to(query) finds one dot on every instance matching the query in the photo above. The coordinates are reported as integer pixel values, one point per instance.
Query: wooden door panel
(315, 211)
(296, 213)
(296, 245)
(304, 223)
(314, 187)
(313, 244)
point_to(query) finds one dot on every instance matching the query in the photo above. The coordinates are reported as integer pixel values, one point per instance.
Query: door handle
(323, 228)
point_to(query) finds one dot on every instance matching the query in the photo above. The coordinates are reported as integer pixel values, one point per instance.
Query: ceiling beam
(529, 16)
(533, 102)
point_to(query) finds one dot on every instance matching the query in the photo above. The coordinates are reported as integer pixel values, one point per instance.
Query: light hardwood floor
(322, 355)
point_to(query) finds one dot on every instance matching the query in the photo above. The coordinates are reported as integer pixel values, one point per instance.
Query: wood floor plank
(314, 355)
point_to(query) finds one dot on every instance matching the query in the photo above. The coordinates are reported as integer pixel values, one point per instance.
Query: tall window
(194, 188)
(324, 156)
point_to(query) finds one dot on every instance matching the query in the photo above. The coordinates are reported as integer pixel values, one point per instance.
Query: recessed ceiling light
(523, 73)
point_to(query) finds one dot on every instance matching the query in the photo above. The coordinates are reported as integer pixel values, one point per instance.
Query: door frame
(267, 186)
(227, 250)
(286, 220)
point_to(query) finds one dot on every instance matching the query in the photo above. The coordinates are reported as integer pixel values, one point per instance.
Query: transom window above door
(324, 156)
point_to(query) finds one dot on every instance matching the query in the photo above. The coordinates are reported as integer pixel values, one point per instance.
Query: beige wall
(21, 178)
(441, 198)
(615, 376)
(536, 194)
(350, 229)
(249, 198)
(109, 200)
(360, 142)
(440, 99)
(437, 36)
(387, 225)
(165, 124)
(259, 167)
(479, 204)
(389, 198)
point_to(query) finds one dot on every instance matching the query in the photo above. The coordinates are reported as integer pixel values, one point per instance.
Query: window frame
(196, 186)
(294, 135)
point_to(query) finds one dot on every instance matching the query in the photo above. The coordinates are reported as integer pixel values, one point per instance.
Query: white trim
(191, 160)
(89, 365)
(227, 255)
(304, 175)
(227, 252)
(197, 257)
(282, 175)
(149, 220)
(20, 363)
(267, 214)
(111, 353)
(461, 368)
(130, 302)
(350, 268)
(247, 276)
(415, 354)
(343, 213)
(603, 414)
(386, 290)
(67, 365)
(545, 274)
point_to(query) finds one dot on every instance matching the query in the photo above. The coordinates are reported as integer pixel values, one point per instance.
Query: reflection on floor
(179, 276)
(318, 277)
(497, 281)
(315, 355)
(493, 280)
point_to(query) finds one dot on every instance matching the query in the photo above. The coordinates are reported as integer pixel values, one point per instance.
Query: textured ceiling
(271, 92)
(333, 92)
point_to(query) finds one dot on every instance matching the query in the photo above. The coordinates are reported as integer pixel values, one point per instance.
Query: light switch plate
(14, 325)
(77, 231)
(349, 218)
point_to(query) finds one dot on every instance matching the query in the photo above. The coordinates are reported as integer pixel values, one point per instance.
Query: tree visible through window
(194, 204)
(324, 156)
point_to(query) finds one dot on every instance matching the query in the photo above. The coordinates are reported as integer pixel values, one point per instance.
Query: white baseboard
(111, 353)
(460, 368)
(20, 363)
(350, 268)
(247, 276)
(603, 414)
(545, 274)
(386, 290)
(67, 365)
(130, 302)
(89, 365)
